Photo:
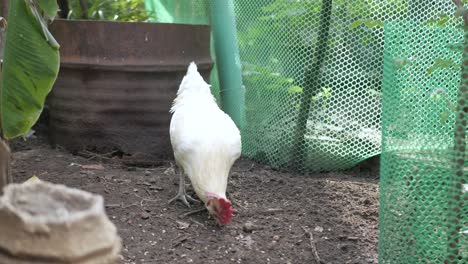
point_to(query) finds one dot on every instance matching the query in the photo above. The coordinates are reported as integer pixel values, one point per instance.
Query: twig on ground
(192, 213)
(312, 245)
(179, 240)
(130, 205)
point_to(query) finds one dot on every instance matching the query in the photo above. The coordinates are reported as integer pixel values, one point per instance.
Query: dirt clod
(145, 215)
(248, 227)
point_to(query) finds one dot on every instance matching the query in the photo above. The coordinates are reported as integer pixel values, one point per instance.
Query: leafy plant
(440, 63)
(30, 67)
(115, 10)
(440, 97)
(323, 96)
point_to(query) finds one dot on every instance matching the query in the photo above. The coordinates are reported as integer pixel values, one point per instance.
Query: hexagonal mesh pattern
(424, 191)
(312, 71)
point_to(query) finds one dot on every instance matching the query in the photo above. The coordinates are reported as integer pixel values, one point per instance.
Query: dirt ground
(277, 211)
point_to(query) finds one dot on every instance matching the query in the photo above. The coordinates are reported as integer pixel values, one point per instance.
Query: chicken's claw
(184, 197)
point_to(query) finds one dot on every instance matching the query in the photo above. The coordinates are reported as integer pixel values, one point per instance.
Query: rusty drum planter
(117, 81)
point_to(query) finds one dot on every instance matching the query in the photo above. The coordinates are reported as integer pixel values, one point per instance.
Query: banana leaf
(30, 65)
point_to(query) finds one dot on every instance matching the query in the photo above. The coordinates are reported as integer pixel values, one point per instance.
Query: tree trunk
(84, 9)
(64, 9)
(5, 172)
(3, 8)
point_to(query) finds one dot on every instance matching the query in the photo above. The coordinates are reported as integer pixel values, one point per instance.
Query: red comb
(225, 211)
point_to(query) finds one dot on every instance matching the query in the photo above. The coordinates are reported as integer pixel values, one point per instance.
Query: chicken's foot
(182, 195)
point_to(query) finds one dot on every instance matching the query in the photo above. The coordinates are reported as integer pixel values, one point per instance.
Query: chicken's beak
(211, 205)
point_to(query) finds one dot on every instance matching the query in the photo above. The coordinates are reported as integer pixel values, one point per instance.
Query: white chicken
(206, 143)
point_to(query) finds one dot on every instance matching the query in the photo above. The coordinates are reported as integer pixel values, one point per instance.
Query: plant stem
(312, 76)
(5, 170)
(84, 9)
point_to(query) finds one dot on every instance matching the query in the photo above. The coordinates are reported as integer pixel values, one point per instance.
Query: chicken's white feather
(205, 140)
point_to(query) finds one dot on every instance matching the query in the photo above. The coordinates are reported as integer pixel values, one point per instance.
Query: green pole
(223, 25)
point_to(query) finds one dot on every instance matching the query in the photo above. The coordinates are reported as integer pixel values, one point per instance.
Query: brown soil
(276, 210)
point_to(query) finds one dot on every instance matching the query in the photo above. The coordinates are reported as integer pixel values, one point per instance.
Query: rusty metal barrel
(117, 81)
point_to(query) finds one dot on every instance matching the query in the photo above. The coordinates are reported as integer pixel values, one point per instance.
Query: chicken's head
(220, 209)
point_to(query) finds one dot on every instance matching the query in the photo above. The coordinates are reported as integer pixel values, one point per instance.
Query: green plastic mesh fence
(424, 191)
(312, 71)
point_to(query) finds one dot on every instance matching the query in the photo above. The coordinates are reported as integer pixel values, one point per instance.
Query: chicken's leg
(182, 195)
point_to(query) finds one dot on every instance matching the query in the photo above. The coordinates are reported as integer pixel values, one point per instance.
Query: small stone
(109, 177)
(169, 171)
(182, 225)
(233, 233)
(147, 173)
(87, 173)
(318, 229)
(145, 215)
(248, 227)
(276, 238)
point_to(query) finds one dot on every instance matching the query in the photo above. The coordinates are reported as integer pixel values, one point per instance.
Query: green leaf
(441, 64)
(355, 24)
(373, 23)
(443, 20)
(49, 7)
(30, 68)
(294, 89)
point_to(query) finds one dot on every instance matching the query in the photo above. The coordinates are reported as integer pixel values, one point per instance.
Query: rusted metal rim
(129, 46)
(202, 65)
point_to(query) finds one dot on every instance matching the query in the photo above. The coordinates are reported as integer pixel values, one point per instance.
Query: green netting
(423, 204)
(312, 71)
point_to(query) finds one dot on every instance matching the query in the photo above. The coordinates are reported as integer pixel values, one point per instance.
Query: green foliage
(114, 10)
(442, 20)
(30, 67)
(442, 64)
(291, 18)
(440, 98)
(294, 89)
(323, 96)
(369, 23)
(49, 7)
